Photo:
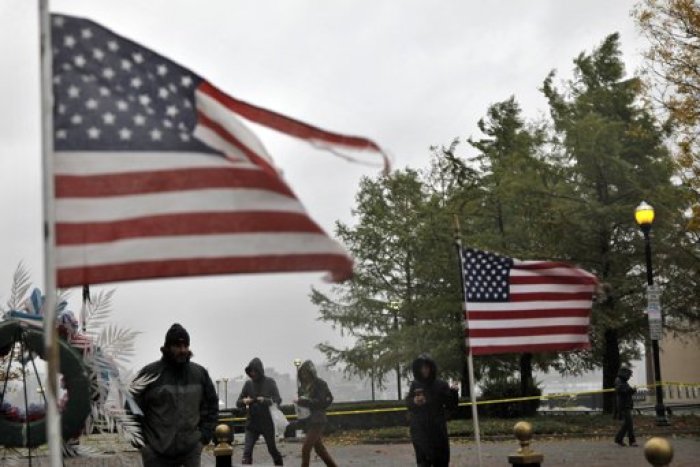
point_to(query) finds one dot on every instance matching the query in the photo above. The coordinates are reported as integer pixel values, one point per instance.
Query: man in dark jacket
(180, 407)
(624, 393)
(258, 394)
(313, 395)
(429, 399)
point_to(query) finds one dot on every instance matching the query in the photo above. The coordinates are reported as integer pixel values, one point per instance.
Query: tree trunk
(611, 365)
(526, 382)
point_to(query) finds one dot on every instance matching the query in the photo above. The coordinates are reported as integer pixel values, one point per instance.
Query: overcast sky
(409, 74)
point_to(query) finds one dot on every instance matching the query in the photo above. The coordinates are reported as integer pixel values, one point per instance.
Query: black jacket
(315, 395)
(429, 421)
(180, 407)
(624, 391)
(258, 416)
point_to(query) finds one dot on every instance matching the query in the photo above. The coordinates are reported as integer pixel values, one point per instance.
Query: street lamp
(225, 393)
(395, 308)
(644, 215)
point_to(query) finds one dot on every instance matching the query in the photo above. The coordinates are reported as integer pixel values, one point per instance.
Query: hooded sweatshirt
(313, 393)
(258, 417)
(623, 390)
(439, 397)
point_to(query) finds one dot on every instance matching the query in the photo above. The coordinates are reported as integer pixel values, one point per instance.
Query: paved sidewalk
(569, 453)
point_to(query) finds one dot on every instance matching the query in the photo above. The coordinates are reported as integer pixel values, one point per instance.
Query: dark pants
(153, 459)
(627, 427)
(431, 444)
(314, 439)
(251, 437)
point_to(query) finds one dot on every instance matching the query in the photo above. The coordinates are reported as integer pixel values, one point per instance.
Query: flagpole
(53, 416)
(470, 359)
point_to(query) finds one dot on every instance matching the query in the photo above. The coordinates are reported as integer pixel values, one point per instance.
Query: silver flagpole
(470, 359)
(53, 416)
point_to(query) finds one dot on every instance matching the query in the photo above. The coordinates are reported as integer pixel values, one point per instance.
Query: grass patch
(560, 425)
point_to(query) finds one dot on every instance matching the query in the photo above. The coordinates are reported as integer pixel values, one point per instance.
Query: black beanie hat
(177, 335)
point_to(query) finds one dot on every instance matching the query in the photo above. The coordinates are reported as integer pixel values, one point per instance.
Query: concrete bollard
(658, 452)
(223, 451)
(525, 455)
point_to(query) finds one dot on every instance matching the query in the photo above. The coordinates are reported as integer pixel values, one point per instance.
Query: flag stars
(98, 54)
(162, 70)
(61, 134)
(126, 65)
(69, 41)
(125, 134)
(104, 91)
(138, 57)
(139, 120)
(122, 105)
(186, 81)
(76, 119)
(144, 99)
(73, 92)
(113, 46)
(58, 21)
(93, 133)
(91, 104)
(156, 134)
(108, 73)
(184, 137)
(79, 61)
(136, 82)
(171, 111)
(163, 93)
(86, 33)
(108, 118)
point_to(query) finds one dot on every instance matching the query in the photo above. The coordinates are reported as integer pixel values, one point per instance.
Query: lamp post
(644, 215)
(297, 364)
(225, 393)
(395, 308)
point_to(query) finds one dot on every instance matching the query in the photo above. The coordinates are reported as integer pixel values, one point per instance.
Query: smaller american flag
(524, 306)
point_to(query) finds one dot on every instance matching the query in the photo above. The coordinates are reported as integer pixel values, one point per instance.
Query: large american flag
(524, 306)
(156, 175)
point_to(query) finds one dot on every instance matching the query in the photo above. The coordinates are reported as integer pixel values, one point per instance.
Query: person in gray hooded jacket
(180, 406)
(257, 395)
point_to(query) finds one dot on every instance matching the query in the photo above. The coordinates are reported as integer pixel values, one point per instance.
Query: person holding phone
(259, 393)
(429, 399)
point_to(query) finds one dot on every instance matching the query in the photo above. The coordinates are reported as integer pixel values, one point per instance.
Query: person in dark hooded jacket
(257, 395)
(180, 406)
(429, 399)
(625, 404)
(315, 396)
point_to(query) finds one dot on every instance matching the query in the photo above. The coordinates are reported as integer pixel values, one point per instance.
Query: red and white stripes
(548, 310)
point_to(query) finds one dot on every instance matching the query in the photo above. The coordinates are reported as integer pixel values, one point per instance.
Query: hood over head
(624, 372)
(424, 359)
(257, 365)
(309, 368)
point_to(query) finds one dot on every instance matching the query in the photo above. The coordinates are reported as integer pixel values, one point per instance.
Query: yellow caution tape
(543, 397)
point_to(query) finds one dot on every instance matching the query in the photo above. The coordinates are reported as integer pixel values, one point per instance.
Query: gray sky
(408, 74)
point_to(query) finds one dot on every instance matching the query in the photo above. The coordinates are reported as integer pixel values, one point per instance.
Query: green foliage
(563, 189)
(509, 388)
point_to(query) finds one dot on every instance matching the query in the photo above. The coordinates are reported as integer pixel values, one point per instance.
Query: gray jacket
(180, 407)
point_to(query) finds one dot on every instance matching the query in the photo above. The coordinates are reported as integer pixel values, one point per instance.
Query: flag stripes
(156, 175)
(525, 306)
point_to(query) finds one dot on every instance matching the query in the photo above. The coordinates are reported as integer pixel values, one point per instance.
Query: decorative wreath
(32, 433)
(92, 357)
